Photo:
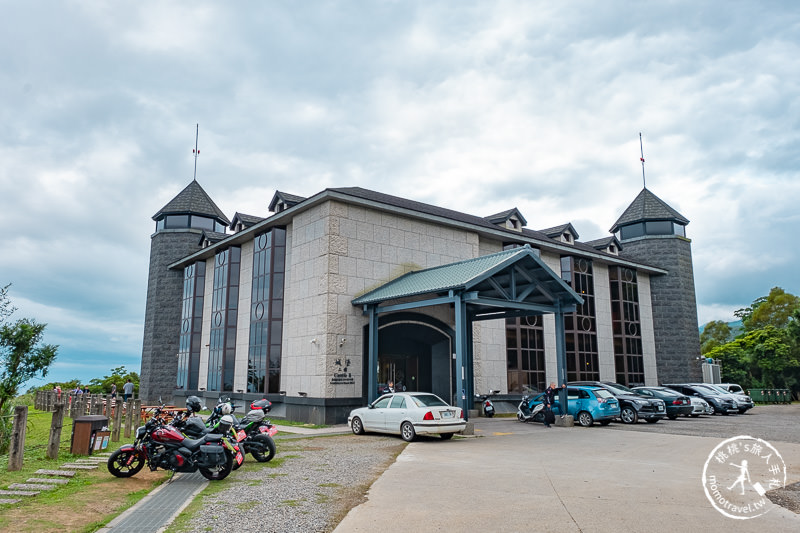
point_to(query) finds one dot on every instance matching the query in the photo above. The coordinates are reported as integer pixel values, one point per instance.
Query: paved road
(528, 478)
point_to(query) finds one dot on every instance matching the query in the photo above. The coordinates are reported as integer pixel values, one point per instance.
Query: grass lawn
(91, 498)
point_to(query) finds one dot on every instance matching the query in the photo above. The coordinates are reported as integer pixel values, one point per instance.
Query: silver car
(699, 407)
(408, 414)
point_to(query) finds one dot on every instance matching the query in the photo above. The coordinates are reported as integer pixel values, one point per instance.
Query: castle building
(331, 296)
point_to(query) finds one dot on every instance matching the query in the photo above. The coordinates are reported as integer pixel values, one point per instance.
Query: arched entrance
(415, 353)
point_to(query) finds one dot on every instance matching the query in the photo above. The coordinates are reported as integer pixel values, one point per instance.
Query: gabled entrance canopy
(506, 284)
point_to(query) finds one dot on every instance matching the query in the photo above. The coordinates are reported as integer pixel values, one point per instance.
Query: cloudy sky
(473, 106)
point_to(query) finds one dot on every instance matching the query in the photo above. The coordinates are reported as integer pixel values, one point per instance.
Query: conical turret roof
(648, 206)
(193, 200)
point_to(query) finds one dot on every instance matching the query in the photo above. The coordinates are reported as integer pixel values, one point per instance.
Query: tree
(715, 333)
(22, 356)
(6, 309)
(119, 376)
(774, 310)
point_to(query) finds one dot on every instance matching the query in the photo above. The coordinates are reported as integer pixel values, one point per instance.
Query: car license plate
(446, 414)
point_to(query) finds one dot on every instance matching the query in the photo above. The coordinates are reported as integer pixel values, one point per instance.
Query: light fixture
(303, 394)
(341, 342)
(314, 340)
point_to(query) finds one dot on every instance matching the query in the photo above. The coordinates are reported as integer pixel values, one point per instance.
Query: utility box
(85, 430)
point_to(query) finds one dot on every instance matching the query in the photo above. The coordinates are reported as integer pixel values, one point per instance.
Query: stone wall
(158, 375)
(674, 305)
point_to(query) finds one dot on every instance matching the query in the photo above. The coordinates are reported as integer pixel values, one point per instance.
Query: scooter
(488, 406)
(526, 411)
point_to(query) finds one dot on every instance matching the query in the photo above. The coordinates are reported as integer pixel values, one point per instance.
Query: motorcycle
(488, 406)
(253, 432)
(526, 411)
(161, 445)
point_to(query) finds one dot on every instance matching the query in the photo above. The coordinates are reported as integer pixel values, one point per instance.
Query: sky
(470, 105)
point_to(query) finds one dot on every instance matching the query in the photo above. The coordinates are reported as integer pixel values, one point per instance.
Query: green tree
(22, 356)
(119, 376)
(6, 309)
(715, 333)
(775, 309)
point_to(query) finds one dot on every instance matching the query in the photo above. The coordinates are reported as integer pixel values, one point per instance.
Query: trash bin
(85, 430)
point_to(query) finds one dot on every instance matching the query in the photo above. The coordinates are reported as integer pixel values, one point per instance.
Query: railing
(84, 404)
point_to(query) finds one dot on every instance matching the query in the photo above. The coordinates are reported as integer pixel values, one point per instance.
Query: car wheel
(605, 422)
(585, 419)
(742, 411)
(358, 427)
(652, 420)
(407, 431)
(629, 415)
(446, 436)
(672, 417)
(724, 412)
(712, 409)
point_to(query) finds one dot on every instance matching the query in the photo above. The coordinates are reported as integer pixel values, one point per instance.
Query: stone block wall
(674, 305)
(163, 313)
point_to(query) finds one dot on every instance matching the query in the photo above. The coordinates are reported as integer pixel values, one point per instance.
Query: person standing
(549, 399)
(127, 390)
(113, 391)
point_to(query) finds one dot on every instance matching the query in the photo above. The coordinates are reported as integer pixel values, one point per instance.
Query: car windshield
(717, 388)
(602, 393)
(428, 400)
(617, 386)
(708, 389)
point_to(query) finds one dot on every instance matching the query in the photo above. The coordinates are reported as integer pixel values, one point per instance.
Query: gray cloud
(473, 106)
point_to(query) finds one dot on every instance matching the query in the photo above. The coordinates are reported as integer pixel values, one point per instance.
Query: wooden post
(55, 431)
(17, 449)
(128, 417)
(117, 421)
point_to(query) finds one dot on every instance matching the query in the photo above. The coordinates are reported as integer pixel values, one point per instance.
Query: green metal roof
(515, 275)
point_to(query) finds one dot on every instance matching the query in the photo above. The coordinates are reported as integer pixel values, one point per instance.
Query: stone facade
(674, 308)
(163, 313)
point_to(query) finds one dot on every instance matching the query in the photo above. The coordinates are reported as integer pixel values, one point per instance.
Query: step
(79, 467)
(6, 501)
(47, 480)
(60, 473)
(31, 486)
(19, 492)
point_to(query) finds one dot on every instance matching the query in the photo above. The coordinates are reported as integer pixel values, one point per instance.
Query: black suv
(719, 402)
(632, 406)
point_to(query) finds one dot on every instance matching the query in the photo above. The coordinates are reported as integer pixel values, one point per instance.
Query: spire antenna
(641, 149)
(196, 152)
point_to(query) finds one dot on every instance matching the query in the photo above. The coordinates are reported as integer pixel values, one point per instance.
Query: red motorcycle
(161, 445)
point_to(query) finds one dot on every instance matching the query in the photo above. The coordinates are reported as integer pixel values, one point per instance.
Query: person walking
(549, 399)
(113, 391)
(127, 390)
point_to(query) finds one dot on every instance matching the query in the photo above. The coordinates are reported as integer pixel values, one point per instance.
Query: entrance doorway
(417, 356)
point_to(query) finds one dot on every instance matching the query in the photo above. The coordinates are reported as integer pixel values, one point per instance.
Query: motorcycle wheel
(120, 463)
(219, 472)
(262, 448)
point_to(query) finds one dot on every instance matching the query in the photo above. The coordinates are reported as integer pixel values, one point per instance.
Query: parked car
(745, 401)
(720, 403)
(632, 406)
(699, 407)
(408, 414)
(587, 405)
(677, 404)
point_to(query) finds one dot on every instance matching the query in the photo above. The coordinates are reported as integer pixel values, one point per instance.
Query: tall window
(628, 358)
(525, 354)
(580, 327)
(194, 277)
(224, 306)
(266, 312)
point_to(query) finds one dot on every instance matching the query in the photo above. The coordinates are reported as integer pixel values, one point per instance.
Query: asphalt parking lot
(524, 477)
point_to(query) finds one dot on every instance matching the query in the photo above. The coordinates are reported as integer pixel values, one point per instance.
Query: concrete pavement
(524, 477)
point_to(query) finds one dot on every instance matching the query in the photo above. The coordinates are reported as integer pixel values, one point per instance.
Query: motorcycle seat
(194, 444)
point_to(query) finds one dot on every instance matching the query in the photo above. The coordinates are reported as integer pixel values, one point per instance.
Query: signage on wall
(340, 375)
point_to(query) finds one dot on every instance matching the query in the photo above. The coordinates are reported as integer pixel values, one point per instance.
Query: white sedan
(699, 407)
(408, 414)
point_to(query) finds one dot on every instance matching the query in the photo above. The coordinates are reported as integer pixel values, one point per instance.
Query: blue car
(585, 403)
